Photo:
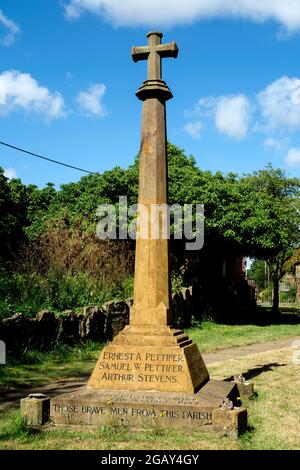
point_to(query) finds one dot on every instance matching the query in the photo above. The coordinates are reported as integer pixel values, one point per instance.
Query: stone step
(185, 343)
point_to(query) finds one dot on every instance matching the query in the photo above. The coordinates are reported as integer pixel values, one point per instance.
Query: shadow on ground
(251, 373)
(10, 398)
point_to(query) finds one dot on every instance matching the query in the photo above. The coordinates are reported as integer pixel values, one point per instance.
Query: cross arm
(140, 53)
(168, 50)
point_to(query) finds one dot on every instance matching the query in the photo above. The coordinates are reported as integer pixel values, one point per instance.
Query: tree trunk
(275, 307)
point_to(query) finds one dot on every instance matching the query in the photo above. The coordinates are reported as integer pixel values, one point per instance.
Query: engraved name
(139, 367)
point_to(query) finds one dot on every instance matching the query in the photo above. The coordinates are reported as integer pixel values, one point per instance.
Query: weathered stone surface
(151, 374)
(160, 368)
(35, 411)
(183, 308)
(47, 329)
(153, 54)
(93, 324)
(141, 409)
(246, 389)
(117, 313)
(231, 423)
(149, 354)
(70, 323)
(18, 333)
(152, 294)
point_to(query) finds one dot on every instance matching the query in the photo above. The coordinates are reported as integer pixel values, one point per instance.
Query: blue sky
(69, 83)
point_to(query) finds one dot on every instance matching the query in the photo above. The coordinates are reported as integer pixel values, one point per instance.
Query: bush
(64, 269)
(266, 295)
(57, 291)
(290, 296)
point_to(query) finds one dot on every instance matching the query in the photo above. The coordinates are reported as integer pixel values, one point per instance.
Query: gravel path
(241, 351)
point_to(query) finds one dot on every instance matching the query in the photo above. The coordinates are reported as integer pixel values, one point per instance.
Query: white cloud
(194, 129)
(293, 157)
(90, 101)
(276, 110)
(21, 91)
(174, 12)
(11, 30)
(233, 115)
(10, 173)
(207, 104)
(271, 143)
(280, 104)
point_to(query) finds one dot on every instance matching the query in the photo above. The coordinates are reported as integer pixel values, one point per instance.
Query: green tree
(13, 209)
(258, 274)
(269, 220)
(254, 215)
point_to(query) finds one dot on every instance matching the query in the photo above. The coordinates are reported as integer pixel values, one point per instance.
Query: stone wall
(21, 333)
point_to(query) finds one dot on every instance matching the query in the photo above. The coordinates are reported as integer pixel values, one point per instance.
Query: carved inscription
(112, 410)
(141, 367)
(151, 399)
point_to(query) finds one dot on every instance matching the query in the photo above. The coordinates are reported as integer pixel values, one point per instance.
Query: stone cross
(142, 356)
(154, 52)
(152, 289)
(150, 355)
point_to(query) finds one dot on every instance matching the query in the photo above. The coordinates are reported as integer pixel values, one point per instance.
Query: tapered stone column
(150, 354)
(151, 374)
(152, 271)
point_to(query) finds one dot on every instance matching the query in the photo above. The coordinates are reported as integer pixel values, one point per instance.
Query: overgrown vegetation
(51, 258)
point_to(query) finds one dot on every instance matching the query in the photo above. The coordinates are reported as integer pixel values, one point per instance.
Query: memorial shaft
(150, 354)
(152, 289)
(151, 373)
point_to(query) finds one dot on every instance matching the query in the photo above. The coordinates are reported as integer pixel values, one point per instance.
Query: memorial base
(146, 357)
(89, 407)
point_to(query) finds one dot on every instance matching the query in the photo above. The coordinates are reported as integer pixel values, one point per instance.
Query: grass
(213, 336)
(35, 368)
(273, 417)
(274, 414)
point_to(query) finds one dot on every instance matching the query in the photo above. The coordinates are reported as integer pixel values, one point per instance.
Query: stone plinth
(139, 360)
(144, 409)
(230, 423)
(151, 374)
(246, 389)
(35, 410)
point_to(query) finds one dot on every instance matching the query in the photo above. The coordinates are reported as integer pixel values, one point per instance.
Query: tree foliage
(258, 273)
(257, 215)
